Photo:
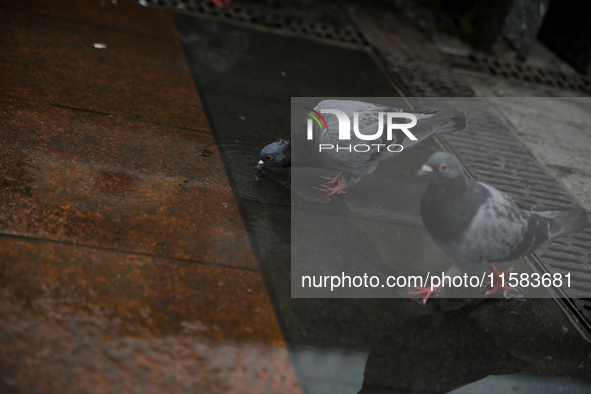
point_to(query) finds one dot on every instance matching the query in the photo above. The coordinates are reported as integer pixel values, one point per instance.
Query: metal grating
(490, 152)
(325, 28)
(519, 71)
(417, 66)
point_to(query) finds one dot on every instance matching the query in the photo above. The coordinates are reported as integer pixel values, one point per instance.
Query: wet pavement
(565, 157)
(125, 264)
(141, 251)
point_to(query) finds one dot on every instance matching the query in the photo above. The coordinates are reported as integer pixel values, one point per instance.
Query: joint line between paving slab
(174, 259)
(104, 114)
(87, 24)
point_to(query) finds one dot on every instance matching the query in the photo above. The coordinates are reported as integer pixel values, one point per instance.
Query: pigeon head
(277, 154)
(442, 167)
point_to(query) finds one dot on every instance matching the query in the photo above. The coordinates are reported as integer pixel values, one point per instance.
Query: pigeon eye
(443, 167)
(269, 157)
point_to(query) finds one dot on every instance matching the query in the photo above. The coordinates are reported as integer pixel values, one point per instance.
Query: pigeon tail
(457, 121)
(569, 222)
(442, 122)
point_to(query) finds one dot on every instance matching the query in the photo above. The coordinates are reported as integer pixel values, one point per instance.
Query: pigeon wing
(343, 156)
(501, 231)
(356, 156)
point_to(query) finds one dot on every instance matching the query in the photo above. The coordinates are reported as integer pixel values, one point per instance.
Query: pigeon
(353, 165)
(477, 225)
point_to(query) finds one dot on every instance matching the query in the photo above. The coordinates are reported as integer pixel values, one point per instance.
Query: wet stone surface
(125, 294)
(373, 345)
(70, 357)
(84, 319)
(106, 285)
(124, 263)
(103, 181)
(134, 77)
(122, 16)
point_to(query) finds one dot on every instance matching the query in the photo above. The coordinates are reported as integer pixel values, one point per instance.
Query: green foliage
(462, 26)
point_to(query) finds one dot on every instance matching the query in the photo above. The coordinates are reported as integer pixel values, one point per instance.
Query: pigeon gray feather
(301, 152)
(477, 225)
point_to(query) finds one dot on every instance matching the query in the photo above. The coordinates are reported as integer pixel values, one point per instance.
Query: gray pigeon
(477, 225)
(353, 165)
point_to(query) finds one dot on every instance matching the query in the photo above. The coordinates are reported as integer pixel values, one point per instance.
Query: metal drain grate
(281, 20)
(522, 72)
(490, 152)
(417, 66)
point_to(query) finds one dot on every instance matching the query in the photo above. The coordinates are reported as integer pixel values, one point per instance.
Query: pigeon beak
(425, 169)
(260, 165)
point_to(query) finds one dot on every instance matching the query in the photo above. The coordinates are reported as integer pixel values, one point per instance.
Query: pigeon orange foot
(427, 291)
(499, 278)
(338, 189)
(338, 179)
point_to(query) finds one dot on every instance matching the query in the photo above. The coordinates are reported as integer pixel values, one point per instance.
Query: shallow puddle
(355, 345)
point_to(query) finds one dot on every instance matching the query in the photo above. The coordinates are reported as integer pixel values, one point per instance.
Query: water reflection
(436, 353)
(331, 338)
(215, 49)
(346, 140)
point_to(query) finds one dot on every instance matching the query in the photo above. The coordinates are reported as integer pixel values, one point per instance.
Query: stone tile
(75, 319)
(91, 179)
(54, 61)
(124, 15)
(129, 181)
(44, 358)
(122, 294)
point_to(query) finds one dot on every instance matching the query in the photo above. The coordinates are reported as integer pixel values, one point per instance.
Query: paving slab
(120, 294)
(124, 263)
(56, 61)
(122, 15)
(88, 309)
(92, 179)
